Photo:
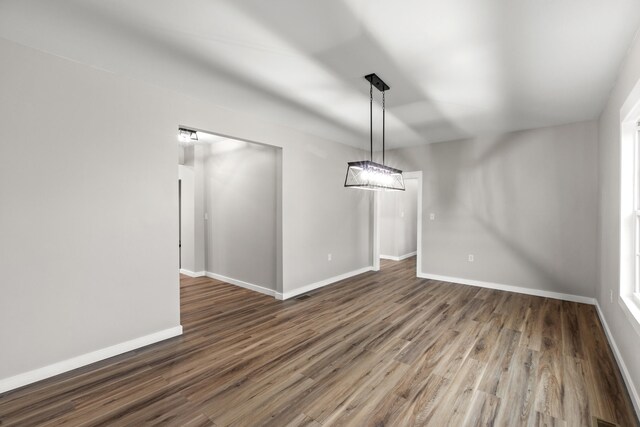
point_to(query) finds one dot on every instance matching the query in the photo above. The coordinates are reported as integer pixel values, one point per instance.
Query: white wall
(89, 214)
(524, 204)
(241, 181)
(398, 221)
(320, 216)
(181, 149)
(626, 338)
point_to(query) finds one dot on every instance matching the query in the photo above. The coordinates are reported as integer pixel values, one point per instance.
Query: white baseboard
(320, 284)
(193, 274)
(510, 288)
(246, 285)
(625, 372)
(398, 258)
(39, 374)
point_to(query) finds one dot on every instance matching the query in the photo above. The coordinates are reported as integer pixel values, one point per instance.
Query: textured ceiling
(456, 68)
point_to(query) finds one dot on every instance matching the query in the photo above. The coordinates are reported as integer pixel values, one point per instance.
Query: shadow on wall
(525, 202)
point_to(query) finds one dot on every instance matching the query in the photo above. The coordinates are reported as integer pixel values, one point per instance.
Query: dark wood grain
(381, 348)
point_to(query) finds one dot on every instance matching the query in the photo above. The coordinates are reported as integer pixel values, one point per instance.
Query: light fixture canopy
(367, 174)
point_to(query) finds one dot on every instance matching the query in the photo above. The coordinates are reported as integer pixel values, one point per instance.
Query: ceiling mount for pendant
(377, 82)
(366, 174)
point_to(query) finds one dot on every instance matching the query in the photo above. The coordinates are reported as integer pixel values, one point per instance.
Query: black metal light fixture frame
(367, 174)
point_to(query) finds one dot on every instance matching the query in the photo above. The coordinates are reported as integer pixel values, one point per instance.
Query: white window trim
(631, 310)
(628, 295)
(636, 210)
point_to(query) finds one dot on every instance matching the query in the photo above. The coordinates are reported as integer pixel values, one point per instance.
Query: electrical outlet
(329, 257)
(611, 295)
(206, 216)
(471, 258)
(432, 216)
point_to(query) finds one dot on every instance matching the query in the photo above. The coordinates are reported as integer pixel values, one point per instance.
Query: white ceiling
(456, 68)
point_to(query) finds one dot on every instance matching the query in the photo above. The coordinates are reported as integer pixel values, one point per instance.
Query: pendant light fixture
(366, 174)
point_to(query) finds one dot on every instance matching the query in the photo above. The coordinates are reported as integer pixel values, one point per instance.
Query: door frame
(179, 223)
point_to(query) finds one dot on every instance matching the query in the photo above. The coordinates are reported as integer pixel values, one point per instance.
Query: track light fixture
(187, 135)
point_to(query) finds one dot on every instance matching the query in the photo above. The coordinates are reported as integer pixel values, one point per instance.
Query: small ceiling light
(187, 135)
(366, 174)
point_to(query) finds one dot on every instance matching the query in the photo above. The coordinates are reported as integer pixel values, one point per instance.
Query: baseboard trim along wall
(635, 399)
(246, 285)
(45, 372)
(398, 258)
(510, 288)
(320, 284)
(285, 295)
(192, 274)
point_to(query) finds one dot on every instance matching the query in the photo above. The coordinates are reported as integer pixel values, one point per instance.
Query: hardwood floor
(379, 349)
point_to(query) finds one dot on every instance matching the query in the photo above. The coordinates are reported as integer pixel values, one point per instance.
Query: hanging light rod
(367, 174)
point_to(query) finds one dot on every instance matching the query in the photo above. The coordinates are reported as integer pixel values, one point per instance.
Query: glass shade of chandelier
(367, 174)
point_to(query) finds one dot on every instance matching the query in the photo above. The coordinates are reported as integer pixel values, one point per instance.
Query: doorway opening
(230, 211)
(397, 225)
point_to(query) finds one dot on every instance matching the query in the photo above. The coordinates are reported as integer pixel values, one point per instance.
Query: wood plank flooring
(379, 349)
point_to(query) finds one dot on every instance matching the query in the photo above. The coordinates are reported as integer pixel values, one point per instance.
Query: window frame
(635, 295)
(628, 295)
